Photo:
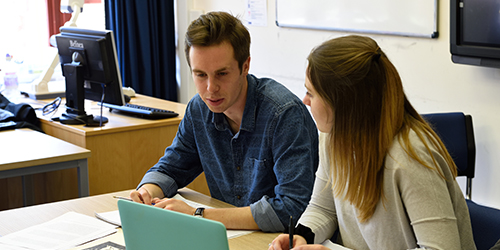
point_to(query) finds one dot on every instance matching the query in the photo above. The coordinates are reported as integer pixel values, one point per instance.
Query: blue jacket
(269, 164)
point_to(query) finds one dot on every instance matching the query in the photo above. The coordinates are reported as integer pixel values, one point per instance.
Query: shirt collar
(248, 121)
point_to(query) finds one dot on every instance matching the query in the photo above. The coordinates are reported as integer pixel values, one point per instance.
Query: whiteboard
(392, 17)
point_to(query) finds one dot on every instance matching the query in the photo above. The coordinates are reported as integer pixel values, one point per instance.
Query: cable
(102, 101)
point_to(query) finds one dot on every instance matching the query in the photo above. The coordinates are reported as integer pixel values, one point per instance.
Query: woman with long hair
(385, 179)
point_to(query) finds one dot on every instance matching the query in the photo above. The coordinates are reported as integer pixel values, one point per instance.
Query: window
(25, 34)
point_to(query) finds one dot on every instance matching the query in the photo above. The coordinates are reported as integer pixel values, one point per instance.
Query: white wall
(432, 82)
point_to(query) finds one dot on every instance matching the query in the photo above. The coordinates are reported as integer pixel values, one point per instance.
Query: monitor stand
(88, 120)
(75, 99)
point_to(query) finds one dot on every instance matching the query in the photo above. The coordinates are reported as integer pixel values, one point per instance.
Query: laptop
(148, 227)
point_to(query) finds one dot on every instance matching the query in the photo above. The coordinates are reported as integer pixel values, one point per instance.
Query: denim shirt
(269, 164)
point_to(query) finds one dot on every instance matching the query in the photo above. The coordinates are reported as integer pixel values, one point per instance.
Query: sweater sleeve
(428, 204)
(320, 215)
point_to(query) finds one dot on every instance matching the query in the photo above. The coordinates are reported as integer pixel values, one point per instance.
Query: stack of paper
(66, 231)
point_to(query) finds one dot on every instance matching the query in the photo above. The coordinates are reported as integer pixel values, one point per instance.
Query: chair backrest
(457, 133)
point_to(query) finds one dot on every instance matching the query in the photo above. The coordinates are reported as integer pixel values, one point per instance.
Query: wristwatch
(199, 212)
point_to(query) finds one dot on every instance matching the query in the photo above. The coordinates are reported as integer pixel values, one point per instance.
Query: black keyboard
(142, 111)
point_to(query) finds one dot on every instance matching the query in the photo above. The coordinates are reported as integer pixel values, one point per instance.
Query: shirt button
(238, 197)
(238, 168)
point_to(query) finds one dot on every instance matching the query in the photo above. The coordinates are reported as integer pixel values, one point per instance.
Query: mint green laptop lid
(148, 227)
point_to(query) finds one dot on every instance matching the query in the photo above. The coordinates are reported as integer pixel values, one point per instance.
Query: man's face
(217, 76)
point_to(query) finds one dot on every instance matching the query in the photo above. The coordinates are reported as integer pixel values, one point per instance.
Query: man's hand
(232, 218)
(174, 205)
(146, 193)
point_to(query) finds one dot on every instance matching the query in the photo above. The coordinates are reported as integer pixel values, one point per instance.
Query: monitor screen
(481, 23)
(90, 65)
(475, 32)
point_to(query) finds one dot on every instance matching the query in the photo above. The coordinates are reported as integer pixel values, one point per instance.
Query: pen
(122, 198)
(290, 232)
(125, 198)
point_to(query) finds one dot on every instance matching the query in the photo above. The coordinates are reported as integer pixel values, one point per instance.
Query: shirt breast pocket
(262, 175)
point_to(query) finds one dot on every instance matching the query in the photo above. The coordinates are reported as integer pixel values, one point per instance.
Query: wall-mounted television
(475, 32)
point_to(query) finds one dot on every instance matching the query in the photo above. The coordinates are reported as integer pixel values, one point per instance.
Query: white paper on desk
(9, 247)
(190, 202)
(63, 232)
(113, 217)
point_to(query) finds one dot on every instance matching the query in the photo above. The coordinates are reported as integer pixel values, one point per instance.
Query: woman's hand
(282, 242)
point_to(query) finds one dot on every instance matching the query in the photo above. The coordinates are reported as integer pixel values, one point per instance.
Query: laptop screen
(148, 227)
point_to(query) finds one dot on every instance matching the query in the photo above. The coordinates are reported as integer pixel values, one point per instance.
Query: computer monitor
(475, 32)
(90, 65)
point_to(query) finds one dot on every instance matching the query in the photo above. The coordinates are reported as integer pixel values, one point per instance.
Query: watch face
(199, 212)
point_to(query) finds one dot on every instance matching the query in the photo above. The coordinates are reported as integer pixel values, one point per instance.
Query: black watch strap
(199, 212)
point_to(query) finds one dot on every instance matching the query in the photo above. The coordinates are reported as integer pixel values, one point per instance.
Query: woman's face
(322, 113)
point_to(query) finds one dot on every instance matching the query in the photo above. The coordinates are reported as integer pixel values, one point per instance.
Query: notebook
(148, 227)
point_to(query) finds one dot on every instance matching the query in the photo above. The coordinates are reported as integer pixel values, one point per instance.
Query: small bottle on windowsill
(11, 83)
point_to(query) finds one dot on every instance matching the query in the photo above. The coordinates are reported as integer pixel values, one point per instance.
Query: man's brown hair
(214, 28)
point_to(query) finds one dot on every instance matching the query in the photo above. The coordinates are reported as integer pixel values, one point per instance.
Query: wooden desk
(26, 152)
(17, 219)
(122, 150)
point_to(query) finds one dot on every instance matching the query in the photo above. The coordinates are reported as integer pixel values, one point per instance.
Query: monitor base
(87, 120)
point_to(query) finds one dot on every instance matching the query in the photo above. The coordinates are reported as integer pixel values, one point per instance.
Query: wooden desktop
(17, 219)
(122, 150)
(42, 154)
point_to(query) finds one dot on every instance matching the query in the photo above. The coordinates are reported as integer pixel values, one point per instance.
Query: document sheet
(66, 231)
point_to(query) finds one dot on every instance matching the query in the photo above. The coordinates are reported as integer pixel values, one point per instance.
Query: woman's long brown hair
(370, 109)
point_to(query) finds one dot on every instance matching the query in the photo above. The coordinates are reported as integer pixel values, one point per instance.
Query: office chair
(485, 225)
(457, 133)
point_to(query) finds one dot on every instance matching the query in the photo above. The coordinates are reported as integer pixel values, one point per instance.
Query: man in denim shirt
(253, 138)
